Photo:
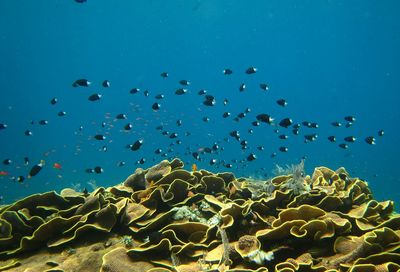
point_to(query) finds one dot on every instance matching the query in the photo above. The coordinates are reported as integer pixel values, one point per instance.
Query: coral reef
(168, 219)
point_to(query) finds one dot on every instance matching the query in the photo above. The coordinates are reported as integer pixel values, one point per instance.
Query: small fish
(179, 122)
(227, 71)
(306, 124)
(134, 90)
(286, 122)
(103, 124)
(370, 140)
(57, 165)
(205, 119)
(350, 139)
(136, 145)
(242, 87)
(158, 151)
(235, 134)
(3, 126)
(121, 116)
(159, 96)
(146, 93)
(265, 118)
(43, 122)
(89, 170)
(283, 137)
(184, 82)
(128, 126)
(349, 124)
(94, 97)
(202, 92)
(336, 124)
(251, 157)
(164, 74)
(314, 125)
(36, 169)
(100, 137)
(81, 82)
(251, 70)
(350, 118)
(226, 101)
(53, 101)
(381, 132)
(332, 139)
(156, 106)
(260, 147)
(141, 161)
(255, 123)
(344, 146)
(106, 84)
(296, 131)
(283, 149)
(281, 102)
(264, 86)
(209, 100)
(80, 1)
(103, 148)
(20, 179)
(194, 167)
(310, 137)
(28, 132)
(61, 113)
(3, 173)
(98, 170)
(226, 114)
(228, 165)
(180, 91)
(7, 162)
(173, 135)
(26, 161)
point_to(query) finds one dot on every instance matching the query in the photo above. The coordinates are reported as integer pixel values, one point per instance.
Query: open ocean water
(327, 59)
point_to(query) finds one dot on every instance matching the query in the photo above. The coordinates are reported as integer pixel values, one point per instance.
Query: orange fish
(194, 167)
(57, 165)
(3, 173)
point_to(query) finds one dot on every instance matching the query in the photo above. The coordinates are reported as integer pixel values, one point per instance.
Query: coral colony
(166, 217)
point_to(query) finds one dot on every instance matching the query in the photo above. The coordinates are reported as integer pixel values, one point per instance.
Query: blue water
(328, 59)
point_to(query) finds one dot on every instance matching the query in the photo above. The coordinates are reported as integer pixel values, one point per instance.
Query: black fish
(381, 132)
(314, 125)
(81, 82)
(54, 101)
(285, 122)
(180, 91)
(26, 161)
(332, 139)
(213, 161)
(250, 131)
(296, 131)
(3, 126)
(134, 90)
(281, 102)
(283, 137)
(121, 116)
(120, 163)
(164, 74)
(310, 137)
(235, 134)
(242, 87)
(202, 92)
(336, 124)
(173, 135)
(227, 71)
(20, 179)
(136, 145)
(265, 118)
(196, 155)
(283, 149)
(350, 118)
(251, 157)
(100, 137)
(80, 1)
(209, 100)
(205, 119)
(141, 161)
(260, 147)
(89, 170)
(94, 97)
(156, 106)
(226, 101)
(370, 140)
(146, 93)
(98, 170)
(158, 151)
(106, 84)
(343, 145)
(61, 113)
(264, 86)
(350, 139)
(179, 123)
(28, 132)
(159, 96)
(251, 70)
(43, 122)
(306, 124)
(184, 82)
(226, 114)
(7, 162)
(36, 169)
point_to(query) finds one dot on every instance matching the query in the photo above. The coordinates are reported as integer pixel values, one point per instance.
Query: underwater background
(327, 59)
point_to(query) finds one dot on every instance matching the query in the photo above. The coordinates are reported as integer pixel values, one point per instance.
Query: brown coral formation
(168, 219)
